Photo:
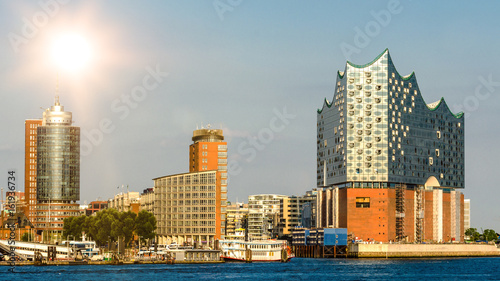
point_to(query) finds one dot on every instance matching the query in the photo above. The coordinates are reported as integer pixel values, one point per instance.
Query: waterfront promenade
(422, 250)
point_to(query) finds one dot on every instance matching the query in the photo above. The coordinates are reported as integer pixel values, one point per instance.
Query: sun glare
(71, 52)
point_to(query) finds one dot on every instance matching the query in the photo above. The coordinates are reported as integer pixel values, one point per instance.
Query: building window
(362, 202)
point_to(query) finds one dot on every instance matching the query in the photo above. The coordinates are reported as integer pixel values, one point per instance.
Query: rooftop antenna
(57, 89)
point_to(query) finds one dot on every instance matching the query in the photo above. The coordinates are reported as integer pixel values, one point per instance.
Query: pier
(319, 251)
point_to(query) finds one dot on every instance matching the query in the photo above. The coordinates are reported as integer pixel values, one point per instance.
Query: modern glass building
(58, 169)
(378, 130)
(388, 163)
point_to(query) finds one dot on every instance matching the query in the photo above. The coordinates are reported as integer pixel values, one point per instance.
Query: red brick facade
(377, 220)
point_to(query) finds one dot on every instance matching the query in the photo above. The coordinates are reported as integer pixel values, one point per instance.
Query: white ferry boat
(26, 250)
(88, 248)
(255, 251)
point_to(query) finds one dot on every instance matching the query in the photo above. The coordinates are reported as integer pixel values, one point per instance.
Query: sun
(71, 52)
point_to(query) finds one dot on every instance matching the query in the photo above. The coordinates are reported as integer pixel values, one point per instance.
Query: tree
(472, 234)
(102, 226)
(124, 226)
(87, 226)
(73, 226)
(489, 235)
(109, 224)
(145, 225)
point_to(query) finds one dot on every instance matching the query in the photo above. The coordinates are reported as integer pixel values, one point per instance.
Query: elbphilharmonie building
(388, 162)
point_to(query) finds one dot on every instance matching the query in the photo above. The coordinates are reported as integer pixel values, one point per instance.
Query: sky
(257, 69)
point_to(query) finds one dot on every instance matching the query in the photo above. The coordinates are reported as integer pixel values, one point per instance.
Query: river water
(296, 269)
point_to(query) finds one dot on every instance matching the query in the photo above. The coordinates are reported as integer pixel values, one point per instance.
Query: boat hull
(231, 259)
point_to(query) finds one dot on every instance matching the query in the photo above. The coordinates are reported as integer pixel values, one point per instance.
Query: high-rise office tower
(392, 160)
(30, 133)
(58, 169)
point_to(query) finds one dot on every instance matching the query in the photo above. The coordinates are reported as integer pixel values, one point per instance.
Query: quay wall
(22, 263)
(421, 250)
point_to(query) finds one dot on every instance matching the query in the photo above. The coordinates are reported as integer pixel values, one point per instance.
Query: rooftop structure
(124, 202)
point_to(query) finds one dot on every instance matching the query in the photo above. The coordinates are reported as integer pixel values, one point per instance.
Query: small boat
(255, 251)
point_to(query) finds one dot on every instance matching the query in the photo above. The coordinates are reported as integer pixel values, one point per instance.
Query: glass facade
(58, 166)
(58, 169)
(378, 130)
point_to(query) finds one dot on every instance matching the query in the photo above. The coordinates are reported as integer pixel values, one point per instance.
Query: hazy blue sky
(258, 69)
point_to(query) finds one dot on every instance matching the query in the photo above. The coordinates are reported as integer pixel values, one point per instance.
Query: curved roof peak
(370, 63)
(327, 103)
(435, 105)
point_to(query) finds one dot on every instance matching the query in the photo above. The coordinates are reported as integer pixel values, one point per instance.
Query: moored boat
(255, 251)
